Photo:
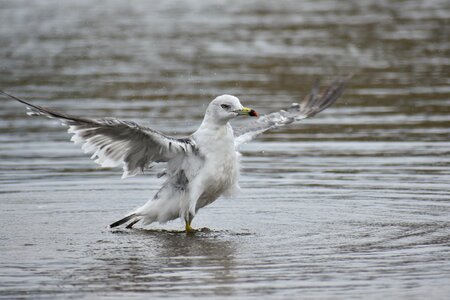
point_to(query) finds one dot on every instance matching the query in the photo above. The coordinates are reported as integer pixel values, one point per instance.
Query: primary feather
(314, 103)
(114, 142)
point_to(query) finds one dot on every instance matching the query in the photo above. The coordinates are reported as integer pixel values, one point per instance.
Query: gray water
(353, 203)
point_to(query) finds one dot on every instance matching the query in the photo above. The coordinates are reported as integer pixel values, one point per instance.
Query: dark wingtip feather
(48, 112)
(122, 221)
(16, 98)
(316, 102)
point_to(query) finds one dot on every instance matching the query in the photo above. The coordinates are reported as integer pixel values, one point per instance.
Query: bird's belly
(221, 178)
(220, 175)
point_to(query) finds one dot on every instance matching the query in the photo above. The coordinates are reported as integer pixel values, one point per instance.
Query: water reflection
(161, 260)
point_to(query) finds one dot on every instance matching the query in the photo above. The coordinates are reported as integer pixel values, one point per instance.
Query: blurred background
(352, 202)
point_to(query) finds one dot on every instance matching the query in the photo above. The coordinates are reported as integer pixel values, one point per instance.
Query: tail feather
(131, 224)
(122, 221)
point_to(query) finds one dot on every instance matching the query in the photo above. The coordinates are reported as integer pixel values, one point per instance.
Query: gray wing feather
(314, 103)
(113, 142)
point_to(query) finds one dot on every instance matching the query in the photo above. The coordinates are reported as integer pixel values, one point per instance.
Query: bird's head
(227, 107)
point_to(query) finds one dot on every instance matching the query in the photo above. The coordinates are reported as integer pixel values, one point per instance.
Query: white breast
(221, 169)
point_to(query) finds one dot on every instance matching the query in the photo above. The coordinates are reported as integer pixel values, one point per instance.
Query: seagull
(200, 167)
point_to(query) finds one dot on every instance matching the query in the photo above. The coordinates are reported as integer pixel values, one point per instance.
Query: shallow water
(352, 203)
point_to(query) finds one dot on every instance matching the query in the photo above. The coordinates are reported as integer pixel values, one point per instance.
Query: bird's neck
(211, 123)
(211, 131)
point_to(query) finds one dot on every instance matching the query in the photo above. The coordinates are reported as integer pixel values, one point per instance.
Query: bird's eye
(225, 106)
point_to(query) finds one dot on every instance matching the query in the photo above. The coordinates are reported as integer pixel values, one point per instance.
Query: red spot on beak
(253, 113)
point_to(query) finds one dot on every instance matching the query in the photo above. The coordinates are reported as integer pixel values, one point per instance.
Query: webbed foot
(188, 228)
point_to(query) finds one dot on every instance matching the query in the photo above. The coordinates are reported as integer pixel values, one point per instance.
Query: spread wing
(113, 142)
(314, 103)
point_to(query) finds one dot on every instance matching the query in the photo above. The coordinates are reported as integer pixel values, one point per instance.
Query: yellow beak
(245, 111)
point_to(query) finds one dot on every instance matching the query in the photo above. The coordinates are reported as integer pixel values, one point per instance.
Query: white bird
(200, 168)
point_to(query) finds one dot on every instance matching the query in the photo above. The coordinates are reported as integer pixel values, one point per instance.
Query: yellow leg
(188, 227)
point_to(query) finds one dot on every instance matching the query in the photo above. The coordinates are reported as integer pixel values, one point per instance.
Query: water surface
(353, 203)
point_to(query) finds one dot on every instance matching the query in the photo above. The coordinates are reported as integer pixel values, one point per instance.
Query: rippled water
(351, 204)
